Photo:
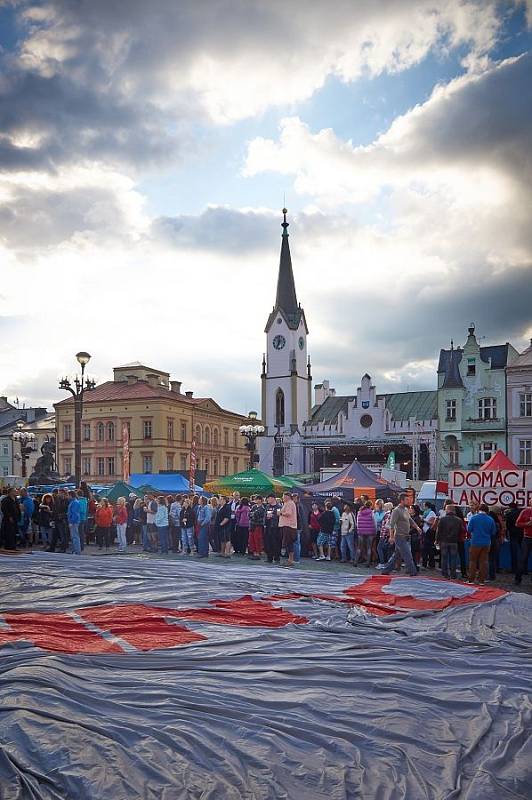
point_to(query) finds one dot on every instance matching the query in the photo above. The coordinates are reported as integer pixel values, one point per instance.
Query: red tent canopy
(498, 461)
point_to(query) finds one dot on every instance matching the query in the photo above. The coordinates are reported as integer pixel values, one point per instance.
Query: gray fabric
(350, 705)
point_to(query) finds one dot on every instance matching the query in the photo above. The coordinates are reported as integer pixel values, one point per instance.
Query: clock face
(279, 342)
(301, 343)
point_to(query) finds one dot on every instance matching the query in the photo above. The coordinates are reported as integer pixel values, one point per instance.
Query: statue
(44, 472)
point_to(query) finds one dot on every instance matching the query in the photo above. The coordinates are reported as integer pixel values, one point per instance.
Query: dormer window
(471, 367)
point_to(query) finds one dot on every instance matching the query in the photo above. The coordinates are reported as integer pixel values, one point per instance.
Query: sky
(146, 151)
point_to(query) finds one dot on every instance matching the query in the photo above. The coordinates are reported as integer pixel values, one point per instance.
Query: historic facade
(34, 420)
(519, 403)
(161, 422)
(472, 403)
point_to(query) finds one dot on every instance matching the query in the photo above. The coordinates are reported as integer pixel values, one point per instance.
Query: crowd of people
(363, 533)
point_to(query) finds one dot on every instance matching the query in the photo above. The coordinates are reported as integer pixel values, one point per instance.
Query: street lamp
(26, 440)
(81, 385)
(250, 432)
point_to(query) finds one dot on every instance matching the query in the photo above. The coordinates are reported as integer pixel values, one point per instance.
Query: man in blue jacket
(73, 519)
(482, 529)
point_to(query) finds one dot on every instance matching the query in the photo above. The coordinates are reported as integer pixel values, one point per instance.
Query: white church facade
(305, 433)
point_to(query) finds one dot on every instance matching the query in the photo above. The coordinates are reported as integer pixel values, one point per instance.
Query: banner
(125, 452)
(390, 463)
(192, 475)
(493, 488)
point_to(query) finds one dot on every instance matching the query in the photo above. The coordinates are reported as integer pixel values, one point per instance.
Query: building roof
(328, 412)
(524, 360)
(286, 297)
(452, 379)
(420, 405)
(140, 365)
(449, 361)
(498, 354)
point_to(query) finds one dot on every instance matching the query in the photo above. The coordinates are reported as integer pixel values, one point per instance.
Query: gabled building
(10, 415)
(519, 403)
(472, 403)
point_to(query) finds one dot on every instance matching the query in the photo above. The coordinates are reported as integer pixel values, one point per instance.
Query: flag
(192, 475)
(125, 452)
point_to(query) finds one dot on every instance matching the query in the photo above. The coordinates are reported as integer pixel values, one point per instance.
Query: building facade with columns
(161, 423)
(519, 403)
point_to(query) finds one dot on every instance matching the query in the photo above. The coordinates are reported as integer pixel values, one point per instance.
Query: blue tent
(166, 482)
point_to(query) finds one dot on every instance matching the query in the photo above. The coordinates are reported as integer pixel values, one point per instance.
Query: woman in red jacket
(104, 520)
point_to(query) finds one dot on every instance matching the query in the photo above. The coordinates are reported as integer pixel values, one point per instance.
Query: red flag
(125, 452)
(192, 476)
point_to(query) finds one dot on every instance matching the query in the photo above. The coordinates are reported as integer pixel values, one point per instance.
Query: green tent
(253, 481)
(121, 489)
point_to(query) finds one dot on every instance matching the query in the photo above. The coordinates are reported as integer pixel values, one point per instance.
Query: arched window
(100, 431)
(111, 431)
(279, 407)
(198, 434)
(215, 438)
(207, 435)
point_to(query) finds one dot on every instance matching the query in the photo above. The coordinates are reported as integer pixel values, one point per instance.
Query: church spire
(286, 288)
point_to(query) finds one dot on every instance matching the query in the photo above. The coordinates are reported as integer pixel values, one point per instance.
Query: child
(257, 521)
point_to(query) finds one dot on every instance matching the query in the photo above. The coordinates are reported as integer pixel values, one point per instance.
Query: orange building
(160, 421)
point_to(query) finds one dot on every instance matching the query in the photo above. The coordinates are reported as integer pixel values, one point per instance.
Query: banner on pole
(192, 475)
(125, 452)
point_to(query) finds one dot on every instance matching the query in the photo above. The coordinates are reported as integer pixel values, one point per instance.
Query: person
(288, 525)
(74, 517)
(104, 520)
(481, 529)
(462, 536)
(241, 534)
(428, 536)
(151, 511)
(59, 520)
(385, 547)
(347, 535)
(214, 538)
(257, 520)
(314, 527)
(524, 521)
(121, 517)
(400, 525)
(235, 502)
(224, 526)
(26, 508)
(366, 530)
(272, 533)
(515, 534)
(174, 518)
(447, 535)
(299, 532)
(10, 520)
(415, 535)
(45, 519)
(327, 520)
(83, 516)
(204, 521)
(186, 519)
(161, 524)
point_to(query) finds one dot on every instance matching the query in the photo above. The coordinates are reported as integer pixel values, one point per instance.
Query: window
(486, 450)
(198, 434)
(215, 437)
(226, 439)
(525, 404)
(86, 432)
(454, 450)
(86, 465)
(146, 430)
(111, 465)
(5, 470)
(100, 466)
(170, 430)
(183, 431)
(525, 452)
(206, 466)
(450, 407)
(169, 461)
(67, 465)
(183, 462)
(215, 467)
(5, 449)
(207, 435)
(226, 466)
(111, 431)
(67, 432)
(147, 463)
(471, 367)
(235, 464)
(487, 408)
(100, 432)
(235, 439)
(279, 407)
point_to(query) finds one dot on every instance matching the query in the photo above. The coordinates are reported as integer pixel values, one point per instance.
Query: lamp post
(26, 439)
(250, 431)
(81, 385)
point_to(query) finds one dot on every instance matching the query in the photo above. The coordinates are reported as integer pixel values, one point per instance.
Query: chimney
(152, 379)
(189, 394)
(176, 386)
(131, 379)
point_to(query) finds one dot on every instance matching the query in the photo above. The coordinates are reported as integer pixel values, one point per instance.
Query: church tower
(286, 373)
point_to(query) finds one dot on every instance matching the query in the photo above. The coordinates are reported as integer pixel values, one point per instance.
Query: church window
(279, 407)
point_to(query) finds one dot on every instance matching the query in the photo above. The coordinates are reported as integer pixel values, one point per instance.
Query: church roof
(286, 298)
(328, 412)
(420, 405)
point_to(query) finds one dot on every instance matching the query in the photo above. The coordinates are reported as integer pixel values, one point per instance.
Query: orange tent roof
(499, 460)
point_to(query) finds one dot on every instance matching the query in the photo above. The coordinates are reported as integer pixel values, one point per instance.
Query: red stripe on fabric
(55, 632)
(245, 612)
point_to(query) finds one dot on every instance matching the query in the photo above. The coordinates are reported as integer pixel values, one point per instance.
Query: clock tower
(286, 374)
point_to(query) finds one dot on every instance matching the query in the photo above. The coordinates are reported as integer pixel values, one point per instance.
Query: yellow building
(160, 420)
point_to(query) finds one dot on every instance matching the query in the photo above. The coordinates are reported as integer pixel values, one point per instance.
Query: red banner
(125, 452)
(192, 476)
